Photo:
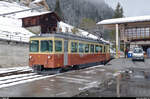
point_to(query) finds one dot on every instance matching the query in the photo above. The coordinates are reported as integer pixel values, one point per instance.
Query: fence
(14, 36)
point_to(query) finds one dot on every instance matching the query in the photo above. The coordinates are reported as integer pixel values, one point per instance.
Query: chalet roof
(125, 20)
(40, 14)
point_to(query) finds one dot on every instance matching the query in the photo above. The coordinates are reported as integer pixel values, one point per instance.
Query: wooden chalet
(45, 22)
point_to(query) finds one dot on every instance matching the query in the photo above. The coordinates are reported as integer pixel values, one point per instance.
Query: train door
(65, 52)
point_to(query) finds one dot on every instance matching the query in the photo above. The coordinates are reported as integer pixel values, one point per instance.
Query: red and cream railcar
(62, 50)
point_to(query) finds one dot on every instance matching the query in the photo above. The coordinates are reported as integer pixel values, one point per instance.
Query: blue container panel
(129, 55)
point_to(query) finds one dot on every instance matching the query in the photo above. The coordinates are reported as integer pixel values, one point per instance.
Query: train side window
(74, 47)
(86, 48)
(81, 47)
(92, 48)
(108, 50)
(47, 45)
(58, 46)
(98, 48)
(34, 46)
(104, 49)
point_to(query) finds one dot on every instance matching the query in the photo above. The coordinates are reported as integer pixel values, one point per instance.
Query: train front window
(58, 46)
(47, 46)
(34, 46)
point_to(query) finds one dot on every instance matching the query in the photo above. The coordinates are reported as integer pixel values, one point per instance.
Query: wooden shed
(45, 22)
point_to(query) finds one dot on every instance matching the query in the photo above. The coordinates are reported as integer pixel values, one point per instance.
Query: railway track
(14, 71)
(15, 76)
(10, 77)
(18, 79)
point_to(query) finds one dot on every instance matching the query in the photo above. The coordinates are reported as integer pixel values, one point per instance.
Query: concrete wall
(13, 54)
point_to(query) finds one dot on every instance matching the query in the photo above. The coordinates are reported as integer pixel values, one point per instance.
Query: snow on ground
(10, 25)
(11, 29)
(13, 69)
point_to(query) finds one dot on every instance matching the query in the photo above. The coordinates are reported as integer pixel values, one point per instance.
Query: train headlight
(30, 57)
(49, 57)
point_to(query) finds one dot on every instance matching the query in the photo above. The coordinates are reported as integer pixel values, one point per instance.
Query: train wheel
(38, 69)
(60, 70)
(76, 67)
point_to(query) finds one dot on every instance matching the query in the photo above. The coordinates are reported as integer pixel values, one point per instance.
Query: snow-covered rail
(17, 79)
(14, 71)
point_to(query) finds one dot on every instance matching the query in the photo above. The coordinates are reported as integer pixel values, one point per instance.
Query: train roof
(71, 36)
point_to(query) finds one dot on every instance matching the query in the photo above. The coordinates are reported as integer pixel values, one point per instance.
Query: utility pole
(117, 40)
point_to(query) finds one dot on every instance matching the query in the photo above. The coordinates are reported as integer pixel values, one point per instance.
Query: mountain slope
(75, 10)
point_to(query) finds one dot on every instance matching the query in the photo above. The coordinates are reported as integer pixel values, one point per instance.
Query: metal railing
(12, 36)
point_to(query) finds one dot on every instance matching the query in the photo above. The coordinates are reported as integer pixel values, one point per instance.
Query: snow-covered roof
(36, 14)
(10, 26)
(125, 20)
(65, 26)
(37, 1)
(81, 32)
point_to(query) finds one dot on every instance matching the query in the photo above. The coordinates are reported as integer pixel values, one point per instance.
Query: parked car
(138, 54)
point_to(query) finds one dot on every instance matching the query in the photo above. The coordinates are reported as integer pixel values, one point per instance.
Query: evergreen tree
(58, 9)
(87, 24)
(117, 14)
(118, 11)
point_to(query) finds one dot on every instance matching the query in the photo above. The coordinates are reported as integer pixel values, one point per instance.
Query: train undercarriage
(47, 71)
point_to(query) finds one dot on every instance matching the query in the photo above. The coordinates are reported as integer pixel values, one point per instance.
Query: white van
(138, 54)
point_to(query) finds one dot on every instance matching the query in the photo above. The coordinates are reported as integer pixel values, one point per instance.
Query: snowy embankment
(13, 69)
(11, 25)
(66, 27)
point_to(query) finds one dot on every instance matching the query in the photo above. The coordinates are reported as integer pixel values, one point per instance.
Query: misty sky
(132, 7)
